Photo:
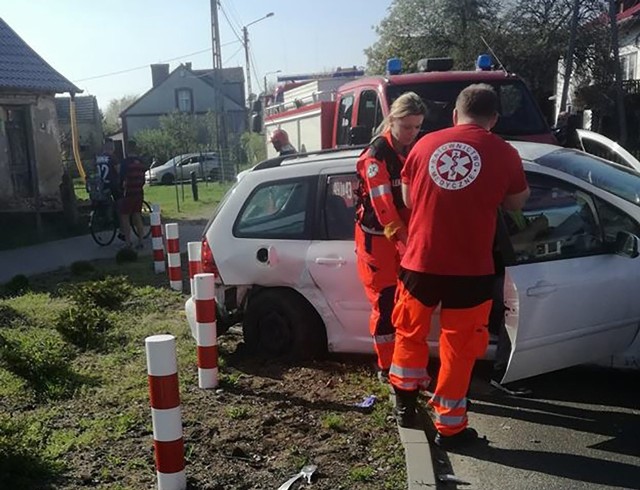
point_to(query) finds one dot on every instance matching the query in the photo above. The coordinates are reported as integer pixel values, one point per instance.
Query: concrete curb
(417, 454)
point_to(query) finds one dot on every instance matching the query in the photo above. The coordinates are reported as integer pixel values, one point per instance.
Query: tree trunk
(568, 62)
(622, 120)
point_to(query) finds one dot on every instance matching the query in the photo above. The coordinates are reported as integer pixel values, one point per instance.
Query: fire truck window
(345, 111)
(340, 206)
(369, 111)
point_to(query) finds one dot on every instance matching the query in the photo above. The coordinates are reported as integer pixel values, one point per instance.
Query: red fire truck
(332, 112)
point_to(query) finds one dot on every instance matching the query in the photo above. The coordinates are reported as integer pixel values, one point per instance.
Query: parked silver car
(206, 166)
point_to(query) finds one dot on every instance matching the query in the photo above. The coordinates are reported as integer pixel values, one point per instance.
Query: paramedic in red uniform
(454, 181)
(382, 218)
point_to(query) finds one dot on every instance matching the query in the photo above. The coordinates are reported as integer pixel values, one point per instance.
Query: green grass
(178, 205)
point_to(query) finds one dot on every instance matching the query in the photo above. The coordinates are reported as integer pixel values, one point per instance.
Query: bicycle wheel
(145, 214)
(102, 225)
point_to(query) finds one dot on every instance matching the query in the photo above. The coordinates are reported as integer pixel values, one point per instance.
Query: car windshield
(615, 179)
(519, 114)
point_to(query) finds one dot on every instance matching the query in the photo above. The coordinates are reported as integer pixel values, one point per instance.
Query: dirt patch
(264, 422)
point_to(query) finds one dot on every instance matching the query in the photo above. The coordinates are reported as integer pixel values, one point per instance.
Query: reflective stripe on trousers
(463, 338)
(378, 265)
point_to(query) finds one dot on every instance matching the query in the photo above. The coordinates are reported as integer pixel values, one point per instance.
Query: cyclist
(106, 164)
(130, 205)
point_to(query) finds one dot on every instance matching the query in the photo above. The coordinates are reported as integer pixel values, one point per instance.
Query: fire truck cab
(348, 113)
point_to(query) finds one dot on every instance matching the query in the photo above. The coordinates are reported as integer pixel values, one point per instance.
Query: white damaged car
(281, 245)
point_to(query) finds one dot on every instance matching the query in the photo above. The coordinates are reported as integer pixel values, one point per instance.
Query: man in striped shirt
(130, 205)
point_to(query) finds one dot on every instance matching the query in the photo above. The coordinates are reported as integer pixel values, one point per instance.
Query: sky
(85, 39)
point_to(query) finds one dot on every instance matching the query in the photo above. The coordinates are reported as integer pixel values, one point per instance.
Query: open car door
(568, 297)
(603, 147)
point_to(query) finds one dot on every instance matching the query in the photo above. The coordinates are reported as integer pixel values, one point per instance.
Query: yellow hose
(74, 139)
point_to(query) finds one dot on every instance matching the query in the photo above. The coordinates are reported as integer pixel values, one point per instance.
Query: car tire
(167, 179)
(280, 323)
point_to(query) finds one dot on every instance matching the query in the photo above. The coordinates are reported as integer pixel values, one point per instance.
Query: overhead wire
(231, 26)
(127, 70)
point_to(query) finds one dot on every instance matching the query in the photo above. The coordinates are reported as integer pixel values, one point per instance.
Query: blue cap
(484, 62)
(394, 66)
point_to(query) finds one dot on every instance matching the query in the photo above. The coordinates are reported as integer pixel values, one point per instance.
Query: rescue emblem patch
(372, 170)
(453, 166)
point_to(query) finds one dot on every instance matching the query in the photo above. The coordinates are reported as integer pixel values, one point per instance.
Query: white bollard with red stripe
(156, 239)
(195, 265)
(206, 330)
(173, 256)
(164, 394)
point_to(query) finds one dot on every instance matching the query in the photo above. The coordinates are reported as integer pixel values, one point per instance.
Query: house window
(628, 66)
(184, 99)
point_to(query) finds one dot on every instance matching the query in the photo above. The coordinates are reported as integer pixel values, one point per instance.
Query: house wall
(161, 100)
(44, 150)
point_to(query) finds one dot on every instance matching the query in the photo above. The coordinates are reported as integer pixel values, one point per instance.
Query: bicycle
(104, 221)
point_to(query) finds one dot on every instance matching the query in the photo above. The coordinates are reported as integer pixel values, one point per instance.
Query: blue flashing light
(484, 62)
(394, 66)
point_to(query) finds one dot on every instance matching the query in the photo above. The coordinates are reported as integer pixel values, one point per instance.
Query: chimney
(188, 65)
(159, 73)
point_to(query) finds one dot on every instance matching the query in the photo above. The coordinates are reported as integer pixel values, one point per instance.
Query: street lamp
(265, 79)
(245, 35)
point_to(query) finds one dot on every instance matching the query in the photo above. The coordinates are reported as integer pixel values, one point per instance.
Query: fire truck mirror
(359, 135)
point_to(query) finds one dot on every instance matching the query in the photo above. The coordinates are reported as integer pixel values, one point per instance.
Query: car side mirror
(359, 135)
(626, 244)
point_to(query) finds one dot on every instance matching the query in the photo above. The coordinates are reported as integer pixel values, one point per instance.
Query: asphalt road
(579, 430)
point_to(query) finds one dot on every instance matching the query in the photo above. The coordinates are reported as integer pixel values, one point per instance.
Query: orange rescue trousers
(378, 266)
(465, 305)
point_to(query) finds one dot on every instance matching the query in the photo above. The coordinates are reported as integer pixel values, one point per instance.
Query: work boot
(383, 376)
(465, 436)
(405, 411)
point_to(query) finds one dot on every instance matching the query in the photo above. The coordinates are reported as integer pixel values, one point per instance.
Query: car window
(612, 221)
(617, 180)
(276, 210)
(345, 110)
(369, 111)
(603, 151)
(557, 222)
(340, 206)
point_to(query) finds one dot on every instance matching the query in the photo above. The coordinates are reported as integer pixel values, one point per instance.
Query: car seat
(340, 218)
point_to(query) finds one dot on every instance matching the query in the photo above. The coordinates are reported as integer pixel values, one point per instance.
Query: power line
(147, 65)
(233, 14)
(224, 12)
(229, 58)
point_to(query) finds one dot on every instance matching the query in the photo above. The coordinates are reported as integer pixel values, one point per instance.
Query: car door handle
(542, 289)
(330, 261)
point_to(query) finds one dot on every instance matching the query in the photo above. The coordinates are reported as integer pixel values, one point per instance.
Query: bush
(82, 267)
(8, 315)
(17, 285)
(86, 326)
(109, 293)
(22, 460)
(39, 356)
(126, 255)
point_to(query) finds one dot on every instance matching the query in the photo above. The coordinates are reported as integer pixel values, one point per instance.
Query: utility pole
(245, 37)
(219, 112)
(568, 62)
(622, 120)
(215, 36)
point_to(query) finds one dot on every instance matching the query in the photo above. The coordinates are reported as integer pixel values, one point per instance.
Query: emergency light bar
(435, 64)
(394, 66)
(484, 62)
(320, 76)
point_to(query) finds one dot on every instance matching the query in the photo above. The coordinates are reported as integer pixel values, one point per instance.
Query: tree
(415, 29)
(111, 117)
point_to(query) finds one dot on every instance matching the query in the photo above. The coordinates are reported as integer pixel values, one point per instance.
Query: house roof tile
(21, 68)
(86, 108)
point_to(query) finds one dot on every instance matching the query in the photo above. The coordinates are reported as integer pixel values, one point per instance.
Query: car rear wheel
(280, 323)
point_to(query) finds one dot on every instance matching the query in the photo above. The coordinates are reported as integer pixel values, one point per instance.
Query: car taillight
(206, 257)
